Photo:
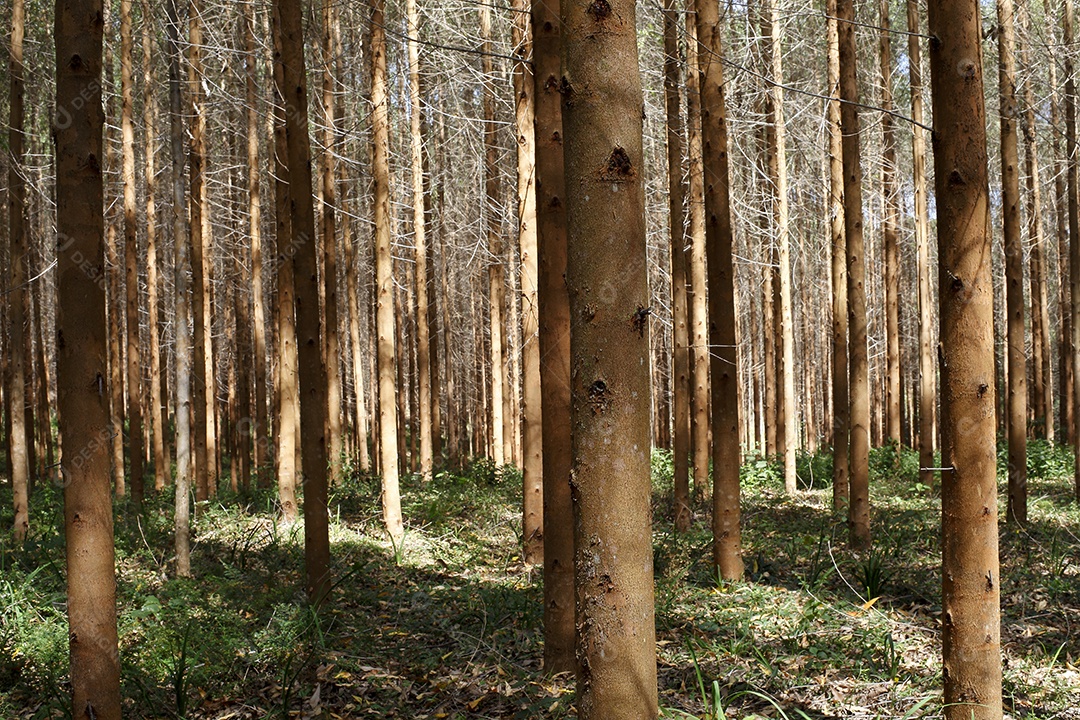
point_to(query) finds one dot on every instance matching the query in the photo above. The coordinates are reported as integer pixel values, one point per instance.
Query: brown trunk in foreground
(839, 275)
(559, 631)
(1073, 183)
(19, 461)
(313, 382)
(384, 281)
(727, 538)
(676, 224)
(81, 358)
(859, 381)
(1014, 265)
(606, 275)
(971, 623)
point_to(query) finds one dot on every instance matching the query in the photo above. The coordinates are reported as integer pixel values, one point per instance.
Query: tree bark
(1073, 183)
(858, 383)
(131, 259)
(890, 233)
(676, 225)
(18, 457)
(554, 317)
(839, 274)
(312, 370)
(727, 538)
(388, 419)
(1065, 358)
(81, 356)
(606, 277)
(970, 581)
(1014, 264)
(927, 372)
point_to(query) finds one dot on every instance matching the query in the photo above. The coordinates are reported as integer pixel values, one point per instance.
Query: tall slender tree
(839, 272)
(971, 625)
(81, 358)
(727, 539)
(890, 230)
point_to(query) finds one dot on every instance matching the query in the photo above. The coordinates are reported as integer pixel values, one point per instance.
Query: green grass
(449, 626)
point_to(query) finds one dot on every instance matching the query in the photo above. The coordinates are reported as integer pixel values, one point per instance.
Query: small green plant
(872, 574)
(761, 473)
(713, 705)
(814, 471)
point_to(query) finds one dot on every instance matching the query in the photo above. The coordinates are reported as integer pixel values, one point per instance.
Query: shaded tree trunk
(81, 357)
(890, 233)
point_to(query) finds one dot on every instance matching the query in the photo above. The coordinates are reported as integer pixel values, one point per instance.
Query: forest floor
(450, 625)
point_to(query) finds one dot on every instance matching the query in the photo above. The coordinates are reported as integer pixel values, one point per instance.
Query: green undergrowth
(449, 624)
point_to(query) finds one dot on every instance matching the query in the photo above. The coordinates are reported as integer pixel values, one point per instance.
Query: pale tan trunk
(159, 407)
(927, 373)
(1014, 265)
(727, 537)
(81, 352)
(699, 318)
(532, 465)
(423, 333)
(778, 175)
(1073, 182)
(18, 458)
(971, 620)
(288, 391)
(182, 516)
(840, 408)
(1040, 306)
(680, 364)
(890, 233)
(131, 258)
(606, 277)
(858, 383)
(388, 420)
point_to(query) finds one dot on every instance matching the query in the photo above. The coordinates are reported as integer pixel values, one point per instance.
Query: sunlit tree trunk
(927, 371)
(384, 279)
(971, 625)
(890, 232)
(1040, 312)
(554, 317)
(1073, 185)
(727, 538)
(1014, 264)
(81, 357)
(606, 277)
(676, 221)
(19, 461)
(839, 274)
(699, 316)
(131, 258)
(858, 383)
(113, 307)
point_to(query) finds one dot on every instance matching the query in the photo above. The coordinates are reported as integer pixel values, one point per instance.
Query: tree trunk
(313, 373)
(699, 318)
(1014, 265)
(131, 259)
(1073, 182)
(1065, 357)
(927, 372)
(532, 431)
(727, 538)
(159, 406)
(890, 233)
(19, 461)
(81, 356)
(778, 177)
(970, 580)
(288, 391)
(839, 274)
(676, 225)
(554, 317)
(858, 384)
(606, 277)
(384, 279)
(1040, 311)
